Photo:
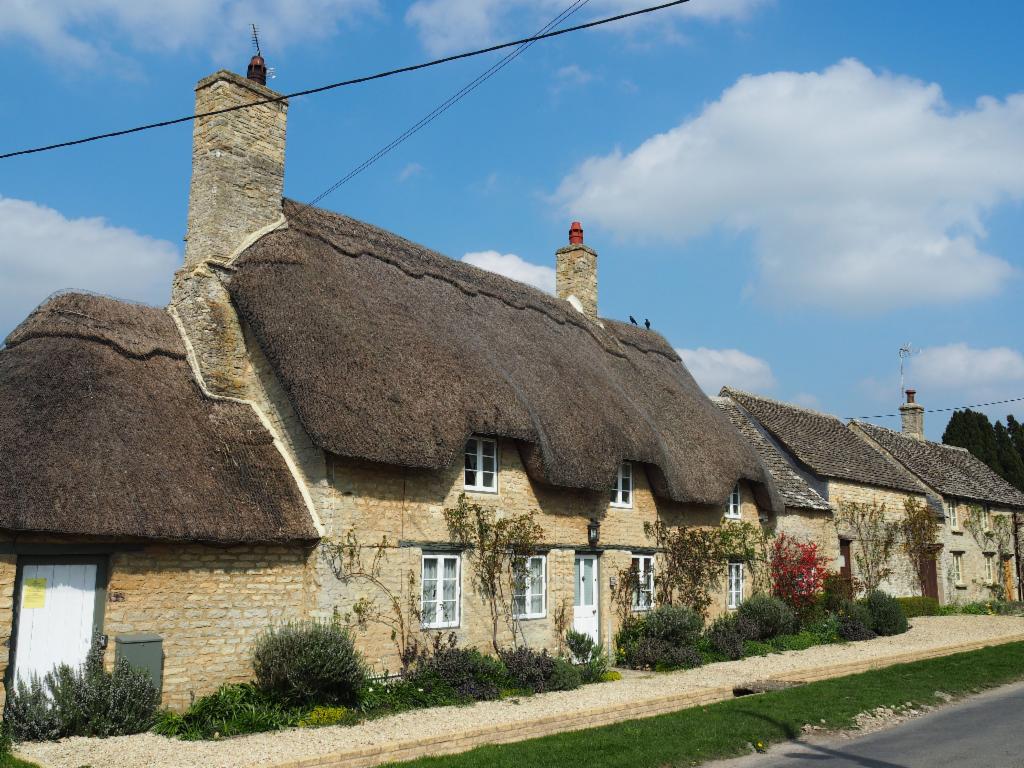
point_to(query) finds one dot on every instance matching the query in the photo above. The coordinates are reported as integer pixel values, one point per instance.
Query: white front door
(585, 617)
(55, 617)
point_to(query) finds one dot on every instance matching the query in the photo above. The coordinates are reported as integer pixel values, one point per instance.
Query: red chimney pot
(576, 233)
(910, 395)
(257, 70)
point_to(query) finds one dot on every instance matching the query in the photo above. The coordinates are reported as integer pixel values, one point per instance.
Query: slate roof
(952, 471)
(104, 432)
(824, 444)
(794, 489)
(393, 353)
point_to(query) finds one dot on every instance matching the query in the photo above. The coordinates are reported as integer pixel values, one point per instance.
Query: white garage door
(55, 617)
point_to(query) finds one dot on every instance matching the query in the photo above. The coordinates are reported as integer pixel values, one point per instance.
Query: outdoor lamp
(593, 532)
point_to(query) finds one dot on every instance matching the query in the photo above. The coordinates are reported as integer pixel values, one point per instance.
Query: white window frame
(986, 517)
(478, 486)
(990, 570)
(953, 513)
(430, 612)
(958, 568)
(621, 496)
(644, 565)
(734, 594)
(531, 590)
(734, 509)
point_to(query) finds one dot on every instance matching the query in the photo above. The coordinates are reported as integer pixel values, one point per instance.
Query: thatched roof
(952, 471)
(824, 444)
(393, 353)
(795, 489)
(103, 432)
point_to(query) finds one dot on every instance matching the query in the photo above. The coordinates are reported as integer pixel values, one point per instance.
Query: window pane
(429, 568)
(537, 570)
(448, 611)
(588, 581)
(519, 605)
(576, 591)
(537, 603)
(471, 463)
(488, 480)
(488, 448)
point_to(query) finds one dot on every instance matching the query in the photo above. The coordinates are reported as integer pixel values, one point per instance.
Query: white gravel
(926, 633)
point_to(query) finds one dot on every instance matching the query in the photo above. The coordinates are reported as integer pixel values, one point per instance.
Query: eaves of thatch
(104, 433)
(393, 353)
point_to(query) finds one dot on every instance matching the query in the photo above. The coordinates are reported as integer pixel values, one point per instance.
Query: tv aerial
(905, 352)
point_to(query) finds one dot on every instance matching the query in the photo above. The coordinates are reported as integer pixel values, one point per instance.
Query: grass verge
(727, 729)
(9, 761)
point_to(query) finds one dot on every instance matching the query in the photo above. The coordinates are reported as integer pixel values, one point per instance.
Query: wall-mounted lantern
(593, 533)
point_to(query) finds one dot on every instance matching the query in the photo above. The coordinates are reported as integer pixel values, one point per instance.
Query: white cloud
(861, 190)
(715, 368)
(445, 26)
(510, 265)
(41, 252)
(966, 374)
(412, 169)
(572, 75)
(71, 30)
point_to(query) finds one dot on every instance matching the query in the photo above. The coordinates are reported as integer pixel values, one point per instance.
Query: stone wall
(208, 604)
(806, 525)
(903, 582)
(973, 546)
(8, 571)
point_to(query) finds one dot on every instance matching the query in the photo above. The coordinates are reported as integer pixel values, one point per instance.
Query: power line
(944, 410)
(442, 108)
(353, 81)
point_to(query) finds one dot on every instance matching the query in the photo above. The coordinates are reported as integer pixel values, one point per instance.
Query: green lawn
(726, 729)
(12, 762)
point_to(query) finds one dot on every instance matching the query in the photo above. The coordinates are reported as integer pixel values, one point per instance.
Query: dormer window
(732, 510)
(481, 473)
(622, 491)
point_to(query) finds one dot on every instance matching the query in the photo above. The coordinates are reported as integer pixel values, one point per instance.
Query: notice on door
(33, 593)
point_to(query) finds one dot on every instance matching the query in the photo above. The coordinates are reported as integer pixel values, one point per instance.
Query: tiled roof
(794, 489)
(824, 444)
(950, 470)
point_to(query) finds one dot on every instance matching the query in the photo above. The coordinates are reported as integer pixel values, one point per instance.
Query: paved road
(986, 731)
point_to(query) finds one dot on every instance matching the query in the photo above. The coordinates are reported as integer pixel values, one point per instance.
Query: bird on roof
(647, 324)
(632, 320)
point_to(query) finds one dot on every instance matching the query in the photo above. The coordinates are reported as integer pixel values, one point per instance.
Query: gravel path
(926, 633)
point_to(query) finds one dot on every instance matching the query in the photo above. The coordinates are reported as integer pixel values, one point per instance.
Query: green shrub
(855, 622)
(919, 606)
(837, 591)
(231, 710)
(309, 663)
(825, 628)
(538, 671)
(756, 648)
(401, 695)
(318, 717)
(801, 641)
(469, 674)
(673, 624)
(887, 617)
(726, 636)
(767, 616)
(587, 655)
(611, 676)
(651, 653)
(87, 701)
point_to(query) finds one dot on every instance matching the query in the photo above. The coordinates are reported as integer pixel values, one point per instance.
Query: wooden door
(56, 611)
(845, 560)
(585, 613)
(930, 577)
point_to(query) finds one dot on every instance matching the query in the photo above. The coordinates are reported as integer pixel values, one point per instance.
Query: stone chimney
(237, 185)
(237, 164)
(912, 414)
(576, 272)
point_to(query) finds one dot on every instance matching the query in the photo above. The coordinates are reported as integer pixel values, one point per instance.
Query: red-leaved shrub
(798, 571)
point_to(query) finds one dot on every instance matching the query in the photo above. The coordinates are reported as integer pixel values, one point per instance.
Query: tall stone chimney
(237, 164)
(237, 185)
(576, 272)
(912, 414)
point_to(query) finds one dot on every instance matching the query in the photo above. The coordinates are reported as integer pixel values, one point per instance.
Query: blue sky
(789, 190)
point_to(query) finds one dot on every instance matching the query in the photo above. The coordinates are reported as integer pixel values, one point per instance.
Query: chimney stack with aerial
(576, 272)
(237, 163)
(912, 414)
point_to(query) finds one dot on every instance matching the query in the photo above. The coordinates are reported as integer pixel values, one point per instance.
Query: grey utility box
(144, 650)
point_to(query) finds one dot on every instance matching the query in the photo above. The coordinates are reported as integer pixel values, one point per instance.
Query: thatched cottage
(179, 475)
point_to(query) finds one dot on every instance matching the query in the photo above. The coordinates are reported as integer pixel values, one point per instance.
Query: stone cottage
(132, 502)
(182, 474)
(978, 549)
(824, 455)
